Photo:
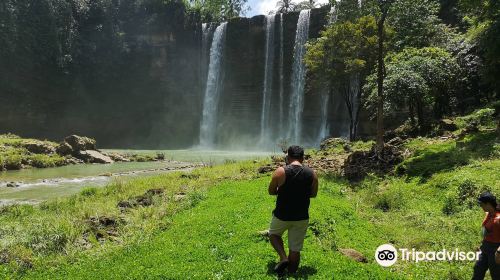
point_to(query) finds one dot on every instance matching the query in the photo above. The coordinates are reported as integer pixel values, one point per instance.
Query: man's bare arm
(314, 187)
(276, 181)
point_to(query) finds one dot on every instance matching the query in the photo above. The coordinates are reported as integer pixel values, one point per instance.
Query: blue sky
(262, 7)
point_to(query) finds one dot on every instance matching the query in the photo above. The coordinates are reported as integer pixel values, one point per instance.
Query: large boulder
(332, 143)
(447, 125)
(80, 143)
(116, 157)
(93, 156)
(64, 149)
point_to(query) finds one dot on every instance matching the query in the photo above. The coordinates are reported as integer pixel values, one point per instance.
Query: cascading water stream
(213, 88)
(324, 129)
(298, 78)
(205, 39)
(268, 81)
(281, 92)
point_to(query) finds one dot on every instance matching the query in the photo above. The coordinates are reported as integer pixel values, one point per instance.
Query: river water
(38, 184)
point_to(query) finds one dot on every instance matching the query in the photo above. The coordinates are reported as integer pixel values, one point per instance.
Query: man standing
(294, 185)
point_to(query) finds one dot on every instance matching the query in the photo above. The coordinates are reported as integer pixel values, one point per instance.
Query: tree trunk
(420, 116)
(412, 113)
(380, 79)
(349, 104)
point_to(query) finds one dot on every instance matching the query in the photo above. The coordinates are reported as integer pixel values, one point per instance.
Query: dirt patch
(360, 163)
(353, 255)
(142, 200)
(103, 228)
(328, 164)
(267, 168)
(180, 196)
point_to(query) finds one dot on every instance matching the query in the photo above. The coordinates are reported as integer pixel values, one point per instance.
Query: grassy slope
(218, 239)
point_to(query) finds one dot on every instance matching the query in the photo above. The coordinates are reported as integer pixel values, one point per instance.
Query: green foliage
(42, 160)
(142, 157)
(12, 162)
(463, 197)
(219, 10)
(91, 191)
(415, 23)
(432, 158)
(344, 51)
(13, 154)
(418, 78)
(483, 117)
(483, 19)
(285, 6)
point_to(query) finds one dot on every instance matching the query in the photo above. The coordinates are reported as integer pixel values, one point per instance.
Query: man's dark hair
(296, 152)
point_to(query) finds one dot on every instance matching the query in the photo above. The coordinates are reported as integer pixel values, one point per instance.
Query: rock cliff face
(244, 66)
(137, 79)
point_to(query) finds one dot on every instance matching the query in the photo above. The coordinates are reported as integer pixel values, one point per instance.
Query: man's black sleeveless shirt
(292, 203)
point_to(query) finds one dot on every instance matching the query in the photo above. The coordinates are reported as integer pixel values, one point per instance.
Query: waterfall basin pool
(34, 185)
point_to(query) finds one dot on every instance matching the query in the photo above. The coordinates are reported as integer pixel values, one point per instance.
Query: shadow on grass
(446, 156)
(302, 273)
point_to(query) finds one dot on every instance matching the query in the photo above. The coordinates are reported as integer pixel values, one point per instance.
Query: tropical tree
(415, 22)
(483, 16)
(306, 5)
(218, 10)
(341, 59)
(285, 6)
(417, 79)
(383, 6)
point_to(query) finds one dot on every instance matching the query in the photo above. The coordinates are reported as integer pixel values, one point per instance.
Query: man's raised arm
(314, 186)
(276, 181)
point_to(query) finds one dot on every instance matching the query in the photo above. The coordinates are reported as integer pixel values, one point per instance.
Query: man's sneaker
(281, 266)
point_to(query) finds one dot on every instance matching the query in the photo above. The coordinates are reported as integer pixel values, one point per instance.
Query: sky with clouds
(262, 7)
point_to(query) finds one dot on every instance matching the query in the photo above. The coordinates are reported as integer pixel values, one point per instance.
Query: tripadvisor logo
(387, 255)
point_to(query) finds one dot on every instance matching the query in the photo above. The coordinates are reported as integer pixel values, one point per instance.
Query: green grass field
(219, 239)
(213, 230)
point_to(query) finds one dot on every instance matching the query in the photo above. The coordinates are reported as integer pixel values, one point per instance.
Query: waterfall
(298, 77)
(324, 129)
(281, 93)
(212, 91)
(205, 29)
(205, 39)
(268, 80)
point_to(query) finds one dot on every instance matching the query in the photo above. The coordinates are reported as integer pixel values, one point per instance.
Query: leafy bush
(45, 240)
(467, 193)
(464, 196)
(90, 191)
(12, 162)
(142, 157)
(42, 160)
(450, 206)
(389, 201)
(481, 117)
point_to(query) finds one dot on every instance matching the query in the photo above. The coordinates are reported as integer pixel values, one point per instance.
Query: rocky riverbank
(19, 153)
